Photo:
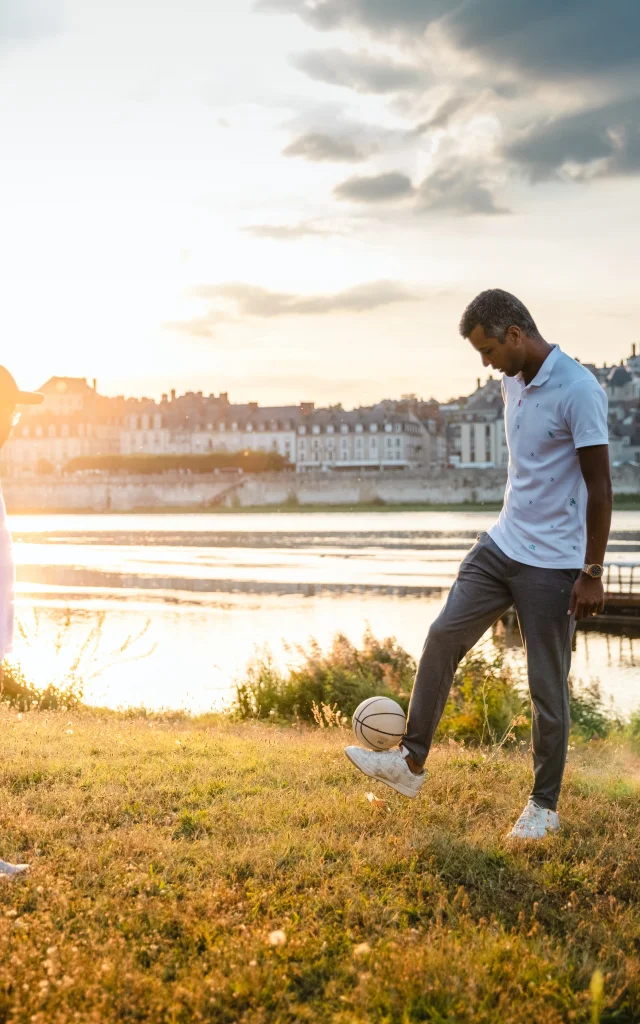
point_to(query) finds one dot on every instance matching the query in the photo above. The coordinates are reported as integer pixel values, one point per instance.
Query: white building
(42, 443)
(361, 439)
(476, 429)
(143, 433)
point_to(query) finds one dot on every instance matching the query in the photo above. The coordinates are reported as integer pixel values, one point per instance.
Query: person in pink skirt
(10, 399)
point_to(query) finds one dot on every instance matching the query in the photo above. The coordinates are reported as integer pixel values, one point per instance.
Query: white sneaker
(12, 869)
(388, 766)
(535, 823)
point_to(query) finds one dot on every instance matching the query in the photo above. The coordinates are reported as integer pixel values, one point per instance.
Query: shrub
(342, 677)
(590, 718)
(20, 693)
(249, 461)
(486, 703)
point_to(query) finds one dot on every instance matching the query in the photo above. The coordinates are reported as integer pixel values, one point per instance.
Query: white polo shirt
(543, 519)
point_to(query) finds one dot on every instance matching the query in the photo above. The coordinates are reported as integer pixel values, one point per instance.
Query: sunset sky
(294, 199)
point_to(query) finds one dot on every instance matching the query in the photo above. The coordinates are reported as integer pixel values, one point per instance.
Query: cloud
(254, 301)
(25, 20)
(599, 142)
(378, 15)
(457, 187)
(380, 188)
(546, 40)
(289, 232)
(320, 146)
(359, 71)
(586, 48)
(441, 116)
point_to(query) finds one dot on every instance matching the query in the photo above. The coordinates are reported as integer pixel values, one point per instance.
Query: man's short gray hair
(496, 311)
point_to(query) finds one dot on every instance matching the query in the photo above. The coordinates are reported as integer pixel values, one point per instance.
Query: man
(10, 398)
(544, 554)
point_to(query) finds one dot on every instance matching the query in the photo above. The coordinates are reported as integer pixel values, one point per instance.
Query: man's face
(504, 356)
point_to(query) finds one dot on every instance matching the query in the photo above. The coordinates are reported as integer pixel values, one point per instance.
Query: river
(192, 598)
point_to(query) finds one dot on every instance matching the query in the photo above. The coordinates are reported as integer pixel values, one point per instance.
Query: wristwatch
(594, 571)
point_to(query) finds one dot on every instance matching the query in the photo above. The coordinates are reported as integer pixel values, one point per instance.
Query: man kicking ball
(10, 398)
(544, 554)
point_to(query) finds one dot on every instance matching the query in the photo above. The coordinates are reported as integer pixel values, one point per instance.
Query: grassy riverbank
(167, 852)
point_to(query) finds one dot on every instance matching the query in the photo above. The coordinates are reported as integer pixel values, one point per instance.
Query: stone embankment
(206, 492)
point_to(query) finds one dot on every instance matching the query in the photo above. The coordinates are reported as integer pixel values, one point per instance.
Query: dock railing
(621, 579)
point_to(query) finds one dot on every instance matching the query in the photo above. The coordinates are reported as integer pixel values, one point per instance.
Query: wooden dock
(621, 581)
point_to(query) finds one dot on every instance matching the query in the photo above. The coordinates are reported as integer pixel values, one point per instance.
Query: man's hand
(587, 597)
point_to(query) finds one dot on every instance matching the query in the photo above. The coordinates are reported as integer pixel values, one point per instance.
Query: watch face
(595, 571)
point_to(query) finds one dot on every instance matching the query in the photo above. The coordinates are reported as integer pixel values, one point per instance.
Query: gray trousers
(488, 583)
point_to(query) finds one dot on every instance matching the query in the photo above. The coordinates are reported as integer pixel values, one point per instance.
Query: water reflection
(216, 587)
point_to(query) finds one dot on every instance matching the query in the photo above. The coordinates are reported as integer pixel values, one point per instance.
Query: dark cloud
(504, 55)
(456, 187)
(24, 20)
(602, 142)
(253, 301)
(289, 232)
(379, 188)
(359, 71)
(381, 16)
(550, 39)
(320, 146)
(547, 39)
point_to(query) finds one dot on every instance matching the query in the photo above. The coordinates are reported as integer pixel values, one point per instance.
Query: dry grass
(166, 852)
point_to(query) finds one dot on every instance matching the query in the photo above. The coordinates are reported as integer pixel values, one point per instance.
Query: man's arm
(587, 597)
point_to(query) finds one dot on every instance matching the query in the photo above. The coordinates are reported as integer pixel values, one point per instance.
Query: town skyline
(156, 393)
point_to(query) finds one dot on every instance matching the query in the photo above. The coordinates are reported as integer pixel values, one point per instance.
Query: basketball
(378, 723)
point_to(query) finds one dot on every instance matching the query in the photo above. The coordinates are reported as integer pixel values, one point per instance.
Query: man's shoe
(388, 766)
(12, 869)
(535, 823)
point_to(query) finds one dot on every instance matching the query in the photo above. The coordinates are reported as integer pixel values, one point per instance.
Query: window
(344, 429)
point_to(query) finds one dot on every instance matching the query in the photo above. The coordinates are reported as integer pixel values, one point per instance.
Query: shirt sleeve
(586, 414)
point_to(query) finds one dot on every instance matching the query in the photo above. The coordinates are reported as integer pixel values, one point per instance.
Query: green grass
(165, 852)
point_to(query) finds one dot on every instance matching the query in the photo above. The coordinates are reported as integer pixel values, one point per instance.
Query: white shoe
(12, 869)
(388, 766)
(535, 823)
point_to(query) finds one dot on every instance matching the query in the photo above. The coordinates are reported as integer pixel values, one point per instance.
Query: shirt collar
(543, 374)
